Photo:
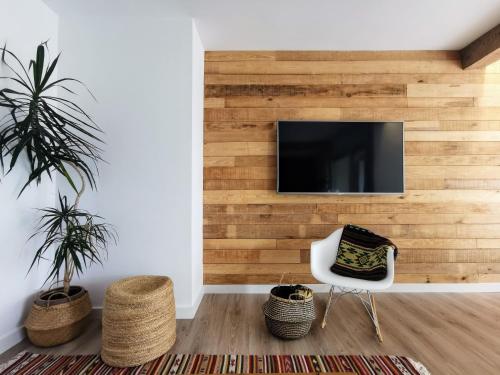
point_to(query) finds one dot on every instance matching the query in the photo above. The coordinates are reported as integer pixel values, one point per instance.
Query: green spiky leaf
(75, 235)
(50, 131)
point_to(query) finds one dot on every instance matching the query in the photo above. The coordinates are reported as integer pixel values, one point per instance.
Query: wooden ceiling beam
(482, 51)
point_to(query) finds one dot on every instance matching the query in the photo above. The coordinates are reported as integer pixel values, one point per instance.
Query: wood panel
(446, 225)
(336, 66)
(328, 90)
(329, 55)
(343, 78)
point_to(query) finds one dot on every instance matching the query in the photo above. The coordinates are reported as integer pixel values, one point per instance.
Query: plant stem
(67, 277)
(82, 189)
(68, 263)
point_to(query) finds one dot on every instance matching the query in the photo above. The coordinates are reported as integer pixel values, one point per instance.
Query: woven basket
(54, 325)
(138, 321)
(292, 317)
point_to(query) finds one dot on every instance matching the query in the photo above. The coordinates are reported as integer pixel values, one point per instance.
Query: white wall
(23, 25)
(147, 74)
(197, 90)
(140, 68)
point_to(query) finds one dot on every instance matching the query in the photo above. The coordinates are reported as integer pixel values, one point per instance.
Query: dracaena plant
(76, 237)
(53, 133)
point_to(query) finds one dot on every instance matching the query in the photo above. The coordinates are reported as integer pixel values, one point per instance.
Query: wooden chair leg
(328, 304)
(375, 317)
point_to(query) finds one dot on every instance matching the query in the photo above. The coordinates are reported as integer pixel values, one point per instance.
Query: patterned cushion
(362, 254)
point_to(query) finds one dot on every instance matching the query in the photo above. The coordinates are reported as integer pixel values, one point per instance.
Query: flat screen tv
(334, 157)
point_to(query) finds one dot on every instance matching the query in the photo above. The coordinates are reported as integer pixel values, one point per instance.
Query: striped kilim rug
(41, 364)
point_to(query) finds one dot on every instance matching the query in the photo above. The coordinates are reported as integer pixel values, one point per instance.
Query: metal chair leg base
(368, 304)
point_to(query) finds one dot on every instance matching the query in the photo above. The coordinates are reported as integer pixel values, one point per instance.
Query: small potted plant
(55, 135)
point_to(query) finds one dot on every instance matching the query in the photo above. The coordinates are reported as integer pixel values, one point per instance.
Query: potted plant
(55, 135)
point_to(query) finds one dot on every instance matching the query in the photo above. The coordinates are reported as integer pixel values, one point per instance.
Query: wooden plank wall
(447, 225)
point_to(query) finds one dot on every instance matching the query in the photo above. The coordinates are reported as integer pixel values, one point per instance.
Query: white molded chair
(323, 255)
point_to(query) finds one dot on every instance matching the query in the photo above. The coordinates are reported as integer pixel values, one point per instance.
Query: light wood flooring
(449, 333)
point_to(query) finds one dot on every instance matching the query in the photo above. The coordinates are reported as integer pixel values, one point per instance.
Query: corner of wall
(18, 217)
(11, 338)
(197, 103)
(189, 312)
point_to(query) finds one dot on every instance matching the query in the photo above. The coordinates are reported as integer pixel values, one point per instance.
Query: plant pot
(57, 296)
(55, 321)
(290, 311)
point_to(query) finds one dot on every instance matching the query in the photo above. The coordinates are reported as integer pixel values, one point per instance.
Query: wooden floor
(449, 333)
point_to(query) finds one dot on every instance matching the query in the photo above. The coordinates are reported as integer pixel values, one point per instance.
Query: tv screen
(340, 157)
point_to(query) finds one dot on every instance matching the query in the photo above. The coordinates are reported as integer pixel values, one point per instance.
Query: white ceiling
(320, 24)
(343, 24)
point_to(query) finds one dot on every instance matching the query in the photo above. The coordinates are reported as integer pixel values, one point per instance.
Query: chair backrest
(324, 252)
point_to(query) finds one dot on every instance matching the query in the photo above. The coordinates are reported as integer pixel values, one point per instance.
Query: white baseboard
(11, 338)
(188, 312)
(396, 288)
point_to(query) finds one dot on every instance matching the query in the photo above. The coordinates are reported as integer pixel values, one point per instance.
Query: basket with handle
(289, 311)
(51, 325)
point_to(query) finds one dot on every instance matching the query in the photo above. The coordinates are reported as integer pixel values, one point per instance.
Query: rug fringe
(9, 363)
(422, 370)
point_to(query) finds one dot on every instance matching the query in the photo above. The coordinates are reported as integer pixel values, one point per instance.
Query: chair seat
(323, 255)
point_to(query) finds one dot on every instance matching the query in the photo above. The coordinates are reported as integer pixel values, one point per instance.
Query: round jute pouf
(138, 320)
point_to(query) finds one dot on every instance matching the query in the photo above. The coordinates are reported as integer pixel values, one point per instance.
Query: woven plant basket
(292, 317)
(54, 325)
(138, 320)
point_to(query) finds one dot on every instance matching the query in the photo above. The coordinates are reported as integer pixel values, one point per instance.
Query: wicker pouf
(138, 320)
